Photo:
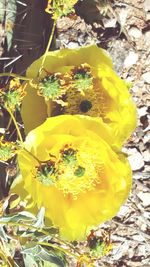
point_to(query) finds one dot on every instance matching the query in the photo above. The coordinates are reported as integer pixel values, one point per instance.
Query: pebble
(135, 32)
(142, 111)
(147, 5)
(136, 160)
(131, 59)
(146, 155)
(123, 211)
(147, 38)
(145, 198)
(73, 45)
(146, 138)
(146, 77)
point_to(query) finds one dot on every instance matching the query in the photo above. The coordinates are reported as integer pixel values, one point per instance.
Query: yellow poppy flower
(91, 88)
(75, 173)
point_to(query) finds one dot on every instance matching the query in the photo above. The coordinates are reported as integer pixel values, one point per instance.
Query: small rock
(123, 211)
(147, 37)
(148, 16)
(146, 77)
(72, 45)
(131, 59)
(136, 160)
(142, 111)
(146, 155)
(109, 23)
(146, 138)
(147, 5)
(135, 32)
(139, 238)
(145, 198)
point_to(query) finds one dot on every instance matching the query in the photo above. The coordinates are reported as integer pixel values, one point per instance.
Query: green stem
(5, 258)
(14, 75)
(48, 46)
(16, 125)
(8, 125)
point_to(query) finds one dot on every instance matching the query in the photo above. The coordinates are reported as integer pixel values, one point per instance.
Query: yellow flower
(7, 149)
(75, 173)
(13, 94)
(94, 89)
(60, 8)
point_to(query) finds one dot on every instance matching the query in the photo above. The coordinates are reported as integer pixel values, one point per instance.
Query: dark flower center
(85, 106)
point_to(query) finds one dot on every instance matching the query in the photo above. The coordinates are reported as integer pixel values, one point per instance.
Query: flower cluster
(91, 88)
(7, 149)
(76, 117)
(60, 8)
(12, 96)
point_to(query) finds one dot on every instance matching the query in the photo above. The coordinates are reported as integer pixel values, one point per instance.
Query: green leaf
(10, 17)
(24, 216)
(3, 235)
(40, 218)
(2, 11)
(43, 255)
(30, 261)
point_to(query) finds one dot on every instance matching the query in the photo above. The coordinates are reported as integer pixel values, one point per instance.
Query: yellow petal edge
(88, 185)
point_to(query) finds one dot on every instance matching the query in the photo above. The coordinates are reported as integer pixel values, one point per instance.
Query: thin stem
(5, 258)
(16, 125)
(8, 125)
(14, 75)
(48, 45)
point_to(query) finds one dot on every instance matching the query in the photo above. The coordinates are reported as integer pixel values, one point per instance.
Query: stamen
(46, 173)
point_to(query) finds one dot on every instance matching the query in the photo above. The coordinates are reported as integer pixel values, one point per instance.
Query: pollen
(95, 102)
(73, 171)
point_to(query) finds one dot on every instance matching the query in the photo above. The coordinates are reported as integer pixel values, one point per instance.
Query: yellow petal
(33, 110)
(75, 201)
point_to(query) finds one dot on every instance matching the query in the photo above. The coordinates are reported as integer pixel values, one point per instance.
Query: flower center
(50, 87)
(85, 106)
(53, 87)
(46, 173)
(72, 171)
(82, 78)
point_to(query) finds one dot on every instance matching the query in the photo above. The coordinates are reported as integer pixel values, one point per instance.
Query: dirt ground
(125, 33)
